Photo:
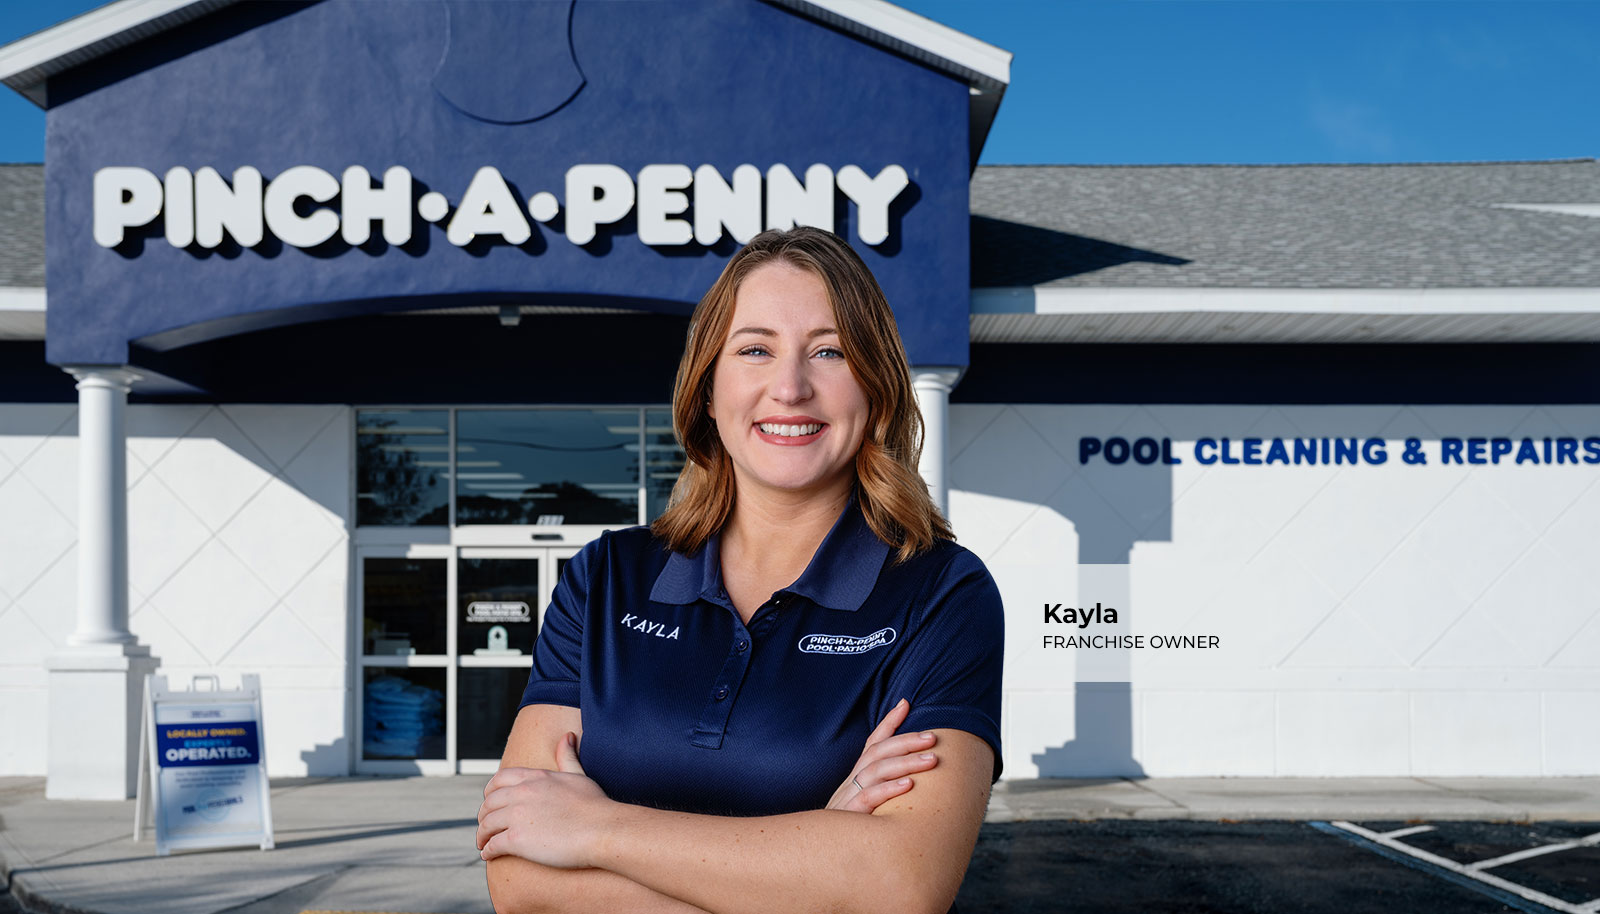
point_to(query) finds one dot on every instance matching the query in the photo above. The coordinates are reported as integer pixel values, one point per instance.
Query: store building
(327, 334)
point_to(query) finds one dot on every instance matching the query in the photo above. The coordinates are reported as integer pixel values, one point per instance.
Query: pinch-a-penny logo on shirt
(846, 644)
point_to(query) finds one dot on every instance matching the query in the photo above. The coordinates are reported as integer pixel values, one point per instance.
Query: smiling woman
(698, 728)
(810, 285)
(785, 353)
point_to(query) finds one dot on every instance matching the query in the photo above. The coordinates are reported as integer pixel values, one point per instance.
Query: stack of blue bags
(400, 717)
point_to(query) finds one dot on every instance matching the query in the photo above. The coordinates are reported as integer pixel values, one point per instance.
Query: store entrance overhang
(431, 358)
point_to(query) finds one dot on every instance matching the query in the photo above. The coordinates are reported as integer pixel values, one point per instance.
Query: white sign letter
(872, 197)
(585, 210)
(112, 213)
(659, 197)
(179, 210)
(488, 208)
(236, 209)
(360, 203)
(291, 227)
(789, 202)
(716, 204)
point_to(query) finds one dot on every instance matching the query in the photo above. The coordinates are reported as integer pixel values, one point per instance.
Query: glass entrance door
(501, 593)
(447, 636)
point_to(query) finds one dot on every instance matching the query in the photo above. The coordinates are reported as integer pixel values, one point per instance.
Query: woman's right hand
(880, 774)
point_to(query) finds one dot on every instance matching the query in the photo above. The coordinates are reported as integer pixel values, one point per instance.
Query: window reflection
(663, 460)
(404, 602)
(556, 466)
(402, 463)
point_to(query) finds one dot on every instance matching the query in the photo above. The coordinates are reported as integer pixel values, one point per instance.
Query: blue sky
(1172, 81)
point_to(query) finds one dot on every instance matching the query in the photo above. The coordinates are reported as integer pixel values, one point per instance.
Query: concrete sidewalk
(406, 844)
(1483, 799)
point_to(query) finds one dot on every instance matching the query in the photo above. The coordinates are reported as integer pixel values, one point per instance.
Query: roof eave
(27, 64)
(985, 68)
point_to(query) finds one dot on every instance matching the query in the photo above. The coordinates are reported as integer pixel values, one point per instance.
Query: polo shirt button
(722, 693)
(740, 646)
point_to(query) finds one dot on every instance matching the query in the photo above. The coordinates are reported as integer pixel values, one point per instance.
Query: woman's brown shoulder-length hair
(893, 497)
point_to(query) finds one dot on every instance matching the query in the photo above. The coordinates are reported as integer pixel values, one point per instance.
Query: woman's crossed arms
(556, 843)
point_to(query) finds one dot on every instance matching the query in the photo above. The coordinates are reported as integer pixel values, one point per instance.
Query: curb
(30, 901)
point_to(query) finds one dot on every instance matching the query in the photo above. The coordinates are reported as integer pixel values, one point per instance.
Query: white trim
(512, 662)
(427, 767)
(27, 62)
(96, 25)
(21, 299)
(406, 661)
(941, 41)
(1591, 210)
(1100, 300)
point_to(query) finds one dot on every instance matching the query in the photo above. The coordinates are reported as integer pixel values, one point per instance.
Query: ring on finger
(856, 782)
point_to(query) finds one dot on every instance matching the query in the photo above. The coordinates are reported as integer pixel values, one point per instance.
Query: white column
(102, 506)
(932, 386)
(97, 680)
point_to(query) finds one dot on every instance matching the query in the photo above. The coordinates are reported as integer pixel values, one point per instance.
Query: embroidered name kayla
(659, 629)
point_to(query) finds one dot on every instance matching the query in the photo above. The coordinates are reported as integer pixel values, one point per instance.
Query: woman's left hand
(886, 758)
(548, 817)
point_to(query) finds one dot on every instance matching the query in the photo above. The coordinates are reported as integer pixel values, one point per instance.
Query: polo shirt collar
(840, 576)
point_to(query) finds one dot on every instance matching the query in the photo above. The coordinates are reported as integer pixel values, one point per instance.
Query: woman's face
(788, 409)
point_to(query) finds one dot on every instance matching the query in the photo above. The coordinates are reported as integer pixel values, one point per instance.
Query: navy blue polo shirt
(685, 707)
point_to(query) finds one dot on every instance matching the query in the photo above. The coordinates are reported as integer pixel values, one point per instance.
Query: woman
(730, 659)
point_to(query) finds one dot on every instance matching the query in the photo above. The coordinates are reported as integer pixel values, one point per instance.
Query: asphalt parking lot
(1195, 867)
(1261, 866)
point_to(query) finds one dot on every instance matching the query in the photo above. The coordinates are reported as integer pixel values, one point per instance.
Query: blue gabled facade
(444, 90)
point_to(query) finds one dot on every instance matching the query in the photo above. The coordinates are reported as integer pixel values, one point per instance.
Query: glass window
(663, 460)
(402, 463)
(551, 466)
(404, 606)
(402, 714)
(497, 600)
(486, 706)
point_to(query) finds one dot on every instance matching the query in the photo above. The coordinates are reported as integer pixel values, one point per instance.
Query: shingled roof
(22, 226)
(1284, 226)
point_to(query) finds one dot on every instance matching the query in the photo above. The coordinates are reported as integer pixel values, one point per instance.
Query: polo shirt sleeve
(951, 669)
(558, 650)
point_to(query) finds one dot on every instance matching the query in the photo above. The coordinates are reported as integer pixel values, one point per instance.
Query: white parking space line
(1585, 841)
(1549, 901)
(1589, 907)
(1402, 832)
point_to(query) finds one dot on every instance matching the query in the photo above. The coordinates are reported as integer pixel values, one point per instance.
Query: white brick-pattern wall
(1385, 619)
(1374, 620)
(238, 531)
